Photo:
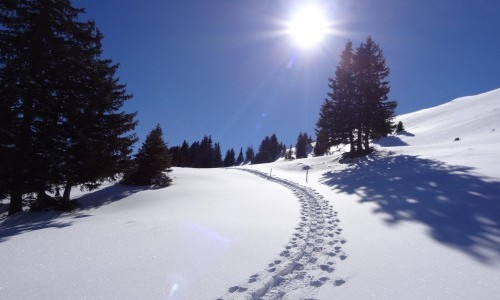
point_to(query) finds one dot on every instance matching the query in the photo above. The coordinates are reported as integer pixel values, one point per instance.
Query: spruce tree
(269, 150)
(375, 110)
(62, 123)
(357, 108)
(301, 146)
(229, 159)
(217, 160)
(344, 117)
(400, 127)
(321, 145)
(249, 155)
(240, 160)
(151, 162)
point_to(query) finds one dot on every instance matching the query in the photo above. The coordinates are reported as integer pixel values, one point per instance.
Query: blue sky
(223, 68)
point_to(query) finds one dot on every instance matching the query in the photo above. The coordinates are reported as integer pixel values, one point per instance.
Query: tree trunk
(16, 202)
(367, 143)
(66, 194)
(351, 142)
(359, 141)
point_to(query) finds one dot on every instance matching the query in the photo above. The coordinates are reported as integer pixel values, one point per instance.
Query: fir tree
(249, 155)
(229, 159)
(269, 150)
(61, 123)
(217, 160)
(301, 146)
(321, 146)
(151, 162)
(400, 127)
(357, 108)
(375, 110)
(240, 160)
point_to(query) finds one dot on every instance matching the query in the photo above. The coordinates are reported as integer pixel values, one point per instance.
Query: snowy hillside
(419, 219)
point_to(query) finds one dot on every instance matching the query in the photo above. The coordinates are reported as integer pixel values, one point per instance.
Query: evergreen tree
(183, 160)
(357, 108)
(249, 155)
(321, 146)
(217, 161)
(344, 117)
(151, 162)
(204, 157)
(301, 146)
(375, 111)
(400, 127)
(60, 120)
(229, 159)
(269, 150)
(240, 160)
(193, 154)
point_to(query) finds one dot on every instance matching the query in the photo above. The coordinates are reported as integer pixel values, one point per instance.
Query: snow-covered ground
(419, 219)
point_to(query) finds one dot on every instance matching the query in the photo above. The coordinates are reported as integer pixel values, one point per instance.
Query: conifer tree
(229, 159)
(400, 127)
(61, 123)
(269, 150)
(357, 107)
(321, 146)
(217, 160)
(375, 110)
(249, 155)
(240, 158)
(301, 146)
(151, 162)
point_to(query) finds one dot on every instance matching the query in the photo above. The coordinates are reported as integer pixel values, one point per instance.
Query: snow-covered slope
(422, 216)
(419, 219)
(188, 241)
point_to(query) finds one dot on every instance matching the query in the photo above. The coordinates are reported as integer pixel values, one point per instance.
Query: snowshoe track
(308, 259)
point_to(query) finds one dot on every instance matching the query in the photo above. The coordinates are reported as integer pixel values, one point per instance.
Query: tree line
(207, 154)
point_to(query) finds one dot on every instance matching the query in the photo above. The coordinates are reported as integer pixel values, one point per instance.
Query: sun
(308, 26)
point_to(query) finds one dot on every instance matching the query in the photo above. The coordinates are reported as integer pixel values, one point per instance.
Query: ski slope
(419, 219)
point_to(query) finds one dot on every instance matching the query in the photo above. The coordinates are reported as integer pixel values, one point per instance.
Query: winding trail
(308, 259)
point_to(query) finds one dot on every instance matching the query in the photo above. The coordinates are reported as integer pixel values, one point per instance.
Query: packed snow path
(307, 261)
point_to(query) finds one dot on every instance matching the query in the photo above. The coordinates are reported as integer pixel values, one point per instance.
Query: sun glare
(308, 26)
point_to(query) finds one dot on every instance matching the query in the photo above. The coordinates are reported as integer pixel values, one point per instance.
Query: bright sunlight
(308, 26)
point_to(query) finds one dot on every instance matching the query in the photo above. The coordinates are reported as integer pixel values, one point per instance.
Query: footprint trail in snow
(308, 259)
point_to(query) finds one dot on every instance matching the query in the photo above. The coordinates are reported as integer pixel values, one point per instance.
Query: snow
(188, 241)
(418, 219)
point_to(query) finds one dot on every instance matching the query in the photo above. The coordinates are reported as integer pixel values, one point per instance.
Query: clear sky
(226, 68)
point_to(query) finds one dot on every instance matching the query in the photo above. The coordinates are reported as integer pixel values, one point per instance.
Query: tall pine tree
(61, 119)
(151, 162)
(375, 110)
(357, 108)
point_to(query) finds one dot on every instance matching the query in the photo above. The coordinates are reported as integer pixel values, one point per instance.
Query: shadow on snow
(460, 208)
(32, 221)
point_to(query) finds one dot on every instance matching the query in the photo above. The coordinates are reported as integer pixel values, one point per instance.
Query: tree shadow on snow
(390, 141)
(460, 208)
(32, 221)
(108, 195)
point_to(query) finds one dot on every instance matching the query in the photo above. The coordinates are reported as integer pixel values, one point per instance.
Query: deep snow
(419, 219)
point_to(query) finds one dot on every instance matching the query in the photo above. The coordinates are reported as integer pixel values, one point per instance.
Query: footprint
(343, 257)
(339, 282)
(326, 268)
